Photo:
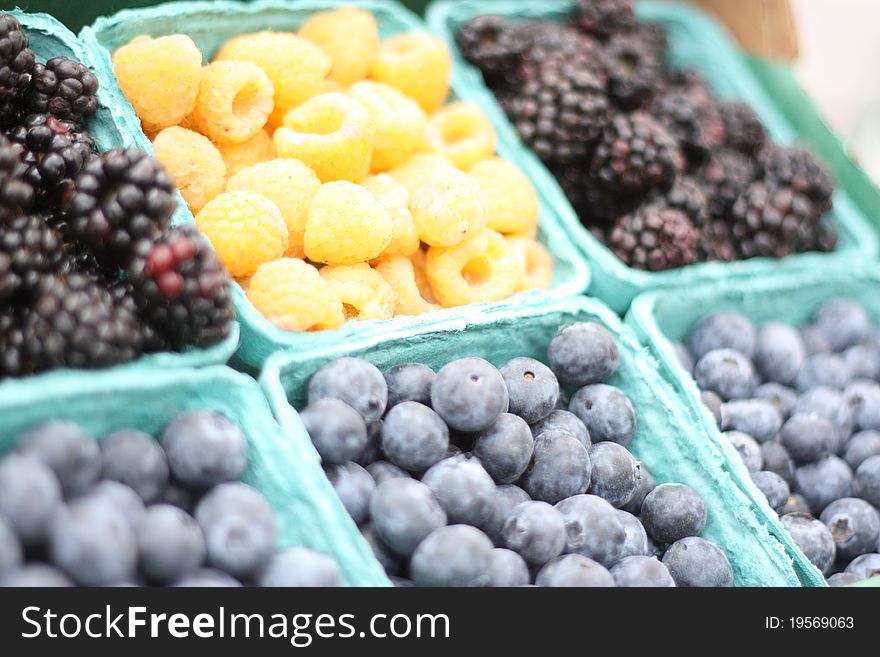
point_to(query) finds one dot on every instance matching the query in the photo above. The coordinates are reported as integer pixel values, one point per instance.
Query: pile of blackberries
(477, 476)
(802, 408)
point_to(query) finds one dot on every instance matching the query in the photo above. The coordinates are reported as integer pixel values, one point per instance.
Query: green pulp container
(674, 446)
(307, 508)
(210, 24)
(697, 42)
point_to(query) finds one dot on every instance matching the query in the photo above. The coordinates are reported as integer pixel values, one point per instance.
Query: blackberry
(717, 243)
(543, 41)
(120, 198)
(799, 168)
(54, 152)
(743, 129)
(123, 296)
(596, 205)
(654, 36)
(697, 125)
(16, 64)
(490, 43)
(64, 88)
(560, 113)
(633, 71)
(688, 196)
(655, 238)
(15, 194)
(29, 248)
(182, 289)
(603, 18)
(725, 176)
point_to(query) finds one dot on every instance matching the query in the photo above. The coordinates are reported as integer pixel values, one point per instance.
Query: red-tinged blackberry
(725, 176)
(560, 113)
(688, 196)
(798, 167)
(64, 88)
(635, 157)
(696, 124)
(743, 129)
(29, 248)
(122, 197)
(16, 64)
(603, 18)
(774, 221)
(491, 44)
(182, 288)
(633, 70)
(655, 238)
(16, 196)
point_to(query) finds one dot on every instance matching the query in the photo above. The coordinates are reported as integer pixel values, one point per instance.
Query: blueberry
(823, 482)
(808, 437)
(854, 525)
(507, 568)
(91, 541)
(566, 421)
(383, 470)
(640, 570)
(607, 413)
(35, 575)
(464, 489)
(796, 504)
(713, 402)
(354, 486)
(67, 448)
(137, 460)
(409, 382)
(297, 567)
(774, 488)
(593, 528)
(813, 538)
(615, 473)
(782, 398)
(405, 511)
(822, 370)
(207, 578)
(457, 555)
(386, 558)
(338, 432)
(560, 468)
(831, 405)
(574, 570)
(122, 497)
(506, 498)
(646, 484)
(814, 341)
(636, 542)
(684, 357)
(671, 512)
(843, 579)
(205, 448)
(748, 448)
(532, 388)
(723, 330)
(861, 446)
(372, 451)
(843, 323)
(779, 352)
(727, 373)
(777, 459)
(240, 528)
(414, 437)
(11, 551)
(469, 394)
(696, 562)
(505, 449)
(536, 531)
(583, 353)
(863, 361)
(865, 566)
(170, 543)
(354, 381)
(864, 400)
(866, 483)
(29, 496)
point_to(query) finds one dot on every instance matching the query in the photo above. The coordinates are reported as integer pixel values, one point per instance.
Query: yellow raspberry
(462, 132)
(417, 63)
(160, 78)
(245, 228)
(332, 133)
(346, 225)
(349, 36)
(235, 100)
(291, 294)
(290, 185)
(513, 200)
(419, 260)
(258, 148)
(420, 168)
(295, 66)
(448, 209)
(535, 263)
(365, 294)
(401, 275)
(194, 162)
(482, 268)
(329, 86)
(395, 199)
(399, 123)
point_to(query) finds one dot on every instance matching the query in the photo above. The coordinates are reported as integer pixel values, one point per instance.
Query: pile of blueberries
(129, 510)
(802, 408)
(477, 476)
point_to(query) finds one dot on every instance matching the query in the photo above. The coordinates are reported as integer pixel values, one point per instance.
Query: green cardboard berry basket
(210, 24)
(673, 445)
(308, 510)
(112, 128)
(697, 42)
(659, 319)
